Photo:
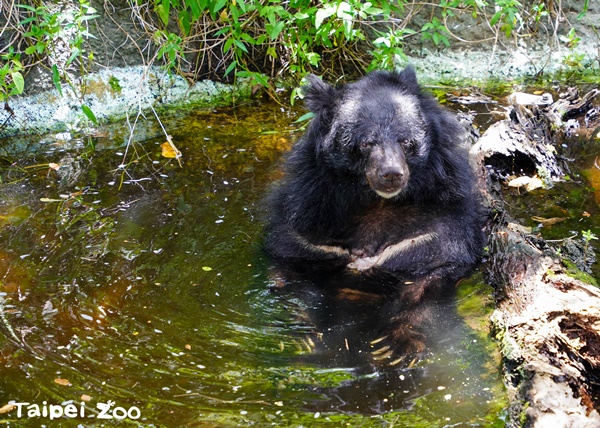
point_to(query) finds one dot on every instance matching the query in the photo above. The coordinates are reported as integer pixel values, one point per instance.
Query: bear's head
(374, 128)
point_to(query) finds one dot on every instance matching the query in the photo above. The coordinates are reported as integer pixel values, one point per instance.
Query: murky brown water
(144, 289)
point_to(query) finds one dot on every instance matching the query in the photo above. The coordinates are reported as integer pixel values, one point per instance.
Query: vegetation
(261, 39)
(264, 38)
(52, 37)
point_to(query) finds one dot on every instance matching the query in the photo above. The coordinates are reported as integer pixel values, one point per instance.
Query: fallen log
(547, 321)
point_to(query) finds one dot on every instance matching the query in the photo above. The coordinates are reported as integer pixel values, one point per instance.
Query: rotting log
(548, 322)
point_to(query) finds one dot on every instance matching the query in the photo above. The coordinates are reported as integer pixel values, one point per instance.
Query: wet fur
(333, 211)
(325, 201)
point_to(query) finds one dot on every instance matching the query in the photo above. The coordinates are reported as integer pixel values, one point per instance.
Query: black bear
(379, 184)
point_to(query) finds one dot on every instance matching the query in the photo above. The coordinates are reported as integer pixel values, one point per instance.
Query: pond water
(143, 289)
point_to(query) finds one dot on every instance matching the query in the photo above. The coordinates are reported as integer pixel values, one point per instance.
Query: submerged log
(547, 321)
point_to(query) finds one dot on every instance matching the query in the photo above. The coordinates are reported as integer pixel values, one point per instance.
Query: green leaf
(89, 114)
(26, 7)
(298, 16)
(259, 78)
(184, 22)
(274, 29)
(41, 47)
(235, 13)
(584, 10)
(313, 58)
(206, 268)
(230, 67)
(18, 81)
(56, 79)
(344, 10)
(222, 31)
(217, 6)
(248, 38)
(305, 117)
(272, 52)
(227, 45)
(88, 17)
(496, 17)
(382, 41)
(196, 9)
(323, 14)
(75, 52)
(373, 11)
(240, 45)
(162, 10)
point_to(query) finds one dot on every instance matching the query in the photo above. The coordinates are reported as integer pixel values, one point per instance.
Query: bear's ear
(409, 77)
(318, 95)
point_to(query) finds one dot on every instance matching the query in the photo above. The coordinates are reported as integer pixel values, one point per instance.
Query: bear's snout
(387, 172)
(391, 175)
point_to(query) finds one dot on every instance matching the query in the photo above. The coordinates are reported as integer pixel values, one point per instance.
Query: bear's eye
(365, 144)
(409, 146)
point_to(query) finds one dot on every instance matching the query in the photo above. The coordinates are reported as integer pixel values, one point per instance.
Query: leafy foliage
(251, 37)
(55, 38)
(11, 79)
(262, 39)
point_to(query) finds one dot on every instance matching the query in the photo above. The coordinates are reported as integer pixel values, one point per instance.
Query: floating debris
(524, 99)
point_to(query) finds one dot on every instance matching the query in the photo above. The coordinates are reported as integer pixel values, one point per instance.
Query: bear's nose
(390, 175)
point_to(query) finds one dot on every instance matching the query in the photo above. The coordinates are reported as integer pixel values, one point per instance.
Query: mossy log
(548, 322)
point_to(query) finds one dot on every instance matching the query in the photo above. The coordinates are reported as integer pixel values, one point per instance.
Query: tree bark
(548, 323)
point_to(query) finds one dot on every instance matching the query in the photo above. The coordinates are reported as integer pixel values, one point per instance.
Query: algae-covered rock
(112, 94)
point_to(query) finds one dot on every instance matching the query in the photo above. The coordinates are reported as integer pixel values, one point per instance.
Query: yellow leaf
(85, 397)
(547, 221)
(7, 408)
(521, 181)
(169, 150)
(63, 382)
(530, 183)
(535, 183)
(54, 166)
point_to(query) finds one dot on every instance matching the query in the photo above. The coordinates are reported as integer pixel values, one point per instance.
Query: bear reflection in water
(378, 204)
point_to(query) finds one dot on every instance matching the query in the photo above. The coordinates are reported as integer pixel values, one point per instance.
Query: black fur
(325, 198)
(381, 163)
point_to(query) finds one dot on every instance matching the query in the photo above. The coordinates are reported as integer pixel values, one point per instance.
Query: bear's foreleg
(390, 252)
(287, 245)
(411, 318)
(445, 246)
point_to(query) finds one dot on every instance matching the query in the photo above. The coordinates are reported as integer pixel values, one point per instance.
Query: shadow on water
(145, 286)
(336, 329)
